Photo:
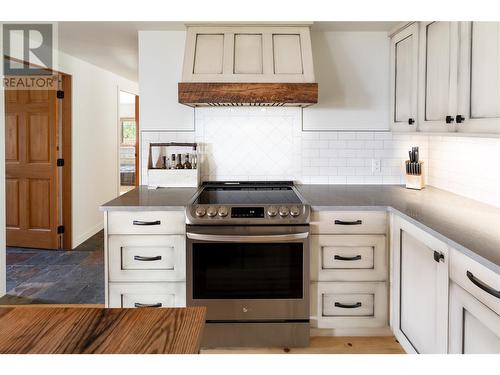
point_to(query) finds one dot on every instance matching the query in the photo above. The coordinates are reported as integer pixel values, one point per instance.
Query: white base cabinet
(419, 289)
(127, 295)
(474, 328)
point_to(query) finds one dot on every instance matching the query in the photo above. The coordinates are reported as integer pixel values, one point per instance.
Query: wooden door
(479, 78)
(438, 76)
(474, 328)
(419, 290)
(404, 73)
(31, 168)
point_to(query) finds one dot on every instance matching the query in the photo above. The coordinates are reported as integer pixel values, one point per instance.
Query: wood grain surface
(39, 330)
(217, 94)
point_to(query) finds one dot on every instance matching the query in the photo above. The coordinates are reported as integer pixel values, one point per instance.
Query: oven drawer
(350, 305)
(471, 276)
(146, 258)
(348, 258)
(349, 222)
(147, 295)
(146, 222)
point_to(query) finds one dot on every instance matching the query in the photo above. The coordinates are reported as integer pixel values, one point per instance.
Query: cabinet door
(479, 78)
(404, 70)
(438, 76)
(474, 328)
(419, 290)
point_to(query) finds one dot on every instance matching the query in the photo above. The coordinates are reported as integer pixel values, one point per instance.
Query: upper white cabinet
(458, 77)
(248, 54)
(419, 290)
(404, 73)
(438, 66)
(160, 70)
(479, 77)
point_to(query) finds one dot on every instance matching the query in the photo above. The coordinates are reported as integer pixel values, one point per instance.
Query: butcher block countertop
(82, 330)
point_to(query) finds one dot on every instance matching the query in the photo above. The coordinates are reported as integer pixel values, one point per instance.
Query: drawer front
(349, 222)
(348, 258)
(146, 258)
(146, 222)
(147, 295)
(341, 304)
(475, 278)
(350, 304)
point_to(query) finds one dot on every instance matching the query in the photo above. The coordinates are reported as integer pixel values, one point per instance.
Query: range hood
(250, 65)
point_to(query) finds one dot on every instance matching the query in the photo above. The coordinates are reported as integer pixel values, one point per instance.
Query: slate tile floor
(52, 276)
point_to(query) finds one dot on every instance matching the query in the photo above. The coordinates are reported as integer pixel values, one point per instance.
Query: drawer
(350, 304)
(146, 222)
(473, 276)
(147, 295)
(146, 258)
(348, 258)
(346, 304)
(349, 222)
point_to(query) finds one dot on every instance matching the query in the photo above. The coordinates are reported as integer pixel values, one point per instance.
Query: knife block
(416, 182)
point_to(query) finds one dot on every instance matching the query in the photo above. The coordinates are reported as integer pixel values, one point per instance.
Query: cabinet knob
(449, 119)
(459, 119)
(411, 121)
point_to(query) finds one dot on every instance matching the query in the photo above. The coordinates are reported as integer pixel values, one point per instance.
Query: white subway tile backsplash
(267, 144)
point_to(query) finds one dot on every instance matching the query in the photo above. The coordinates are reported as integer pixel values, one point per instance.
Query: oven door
(249, 273)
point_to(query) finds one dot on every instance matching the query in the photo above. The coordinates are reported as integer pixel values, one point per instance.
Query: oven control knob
(223, 211)
(272, 211)
(211, 211)
(294, 211)
(200, 211)
(284, 211)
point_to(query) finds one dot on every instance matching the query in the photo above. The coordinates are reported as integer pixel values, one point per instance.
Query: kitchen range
(248, 263)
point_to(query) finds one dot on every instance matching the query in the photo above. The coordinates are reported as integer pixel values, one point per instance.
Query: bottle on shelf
(179, 163)
(172, 162)
(187, 164)
(194, 159)
(165, 162)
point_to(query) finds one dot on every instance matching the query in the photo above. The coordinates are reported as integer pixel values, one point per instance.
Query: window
(128, 132)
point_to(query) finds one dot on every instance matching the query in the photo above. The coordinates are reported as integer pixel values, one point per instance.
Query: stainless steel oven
(254, 281)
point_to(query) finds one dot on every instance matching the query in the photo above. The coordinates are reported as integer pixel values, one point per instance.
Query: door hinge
(438, 256)
(60, 229)
(60, 94)
(60, 162)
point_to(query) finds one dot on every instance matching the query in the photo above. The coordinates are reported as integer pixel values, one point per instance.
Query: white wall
(3, 273)
(352, 70)
(161, 54)
(94, 142)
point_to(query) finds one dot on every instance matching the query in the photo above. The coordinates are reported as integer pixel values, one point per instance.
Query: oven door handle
(256, 238)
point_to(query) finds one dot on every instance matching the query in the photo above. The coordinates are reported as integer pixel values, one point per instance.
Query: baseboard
(85, 236)
(382, 331)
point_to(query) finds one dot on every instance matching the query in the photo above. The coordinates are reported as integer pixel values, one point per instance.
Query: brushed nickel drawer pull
(481, 285)
(353, 306)
(339, 257)
(146, 259)
(354, 222)
(139, 222)
(140, 305)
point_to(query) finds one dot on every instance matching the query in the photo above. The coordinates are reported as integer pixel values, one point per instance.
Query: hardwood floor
(327, 345)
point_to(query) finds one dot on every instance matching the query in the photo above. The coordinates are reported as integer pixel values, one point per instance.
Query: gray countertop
(467, 225)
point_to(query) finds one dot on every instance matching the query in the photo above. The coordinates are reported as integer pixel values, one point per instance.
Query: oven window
(247, 270)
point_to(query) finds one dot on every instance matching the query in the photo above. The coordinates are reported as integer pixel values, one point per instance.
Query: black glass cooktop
(248, 193)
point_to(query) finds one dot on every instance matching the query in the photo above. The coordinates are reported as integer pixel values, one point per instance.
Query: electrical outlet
(376, 166)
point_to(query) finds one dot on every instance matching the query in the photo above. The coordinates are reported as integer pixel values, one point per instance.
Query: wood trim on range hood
(197, 94)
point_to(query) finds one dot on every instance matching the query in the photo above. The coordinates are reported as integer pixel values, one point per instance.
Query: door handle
(146, 259)
(459, 119)
(254, 239)
(449, 119)
(438, 257)
(481, 285)
(339, 257)
(353, 306)
(411, 121)
(139, 222)
(141, 305)
(342, 222)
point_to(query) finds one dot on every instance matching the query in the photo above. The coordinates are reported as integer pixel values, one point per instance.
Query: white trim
(85, 236)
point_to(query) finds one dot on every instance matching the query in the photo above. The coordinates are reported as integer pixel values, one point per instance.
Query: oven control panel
(238, 214)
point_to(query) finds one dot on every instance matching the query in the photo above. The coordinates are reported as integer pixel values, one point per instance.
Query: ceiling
(113, 45)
